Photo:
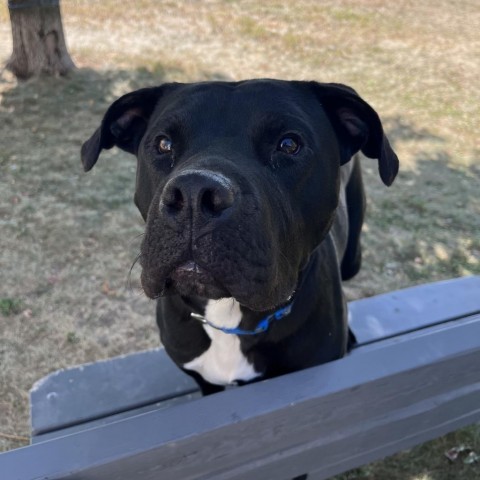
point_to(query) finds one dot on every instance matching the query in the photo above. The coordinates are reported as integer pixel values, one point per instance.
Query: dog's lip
(189, 267)
(191, 270)
(192, 278)
(181, 278)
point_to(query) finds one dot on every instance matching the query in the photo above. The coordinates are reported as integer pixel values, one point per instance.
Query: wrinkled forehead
(228, 107)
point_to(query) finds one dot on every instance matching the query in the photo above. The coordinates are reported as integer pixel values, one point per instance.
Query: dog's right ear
(123, 125)
(358, 127)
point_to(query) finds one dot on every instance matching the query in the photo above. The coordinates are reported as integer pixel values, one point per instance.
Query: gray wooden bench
(414, 375)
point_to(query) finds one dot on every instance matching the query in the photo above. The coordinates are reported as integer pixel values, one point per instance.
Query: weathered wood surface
(96, 390)
(414, 308)
(385, 396)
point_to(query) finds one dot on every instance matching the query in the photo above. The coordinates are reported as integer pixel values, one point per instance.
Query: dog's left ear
(358, 127)
(123, 125)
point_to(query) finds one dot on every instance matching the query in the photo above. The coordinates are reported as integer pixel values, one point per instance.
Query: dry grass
(68, 239)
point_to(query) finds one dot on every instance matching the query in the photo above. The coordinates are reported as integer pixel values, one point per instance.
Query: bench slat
(96, 390)
(383, 316)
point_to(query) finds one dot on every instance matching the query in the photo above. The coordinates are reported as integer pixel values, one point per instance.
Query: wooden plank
(384, 395)
(394, 313)
(140, 381)
(95, 390)
(98, 422)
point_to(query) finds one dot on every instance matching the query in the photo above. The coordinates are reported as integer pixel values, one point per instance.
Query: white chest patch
(223, 362)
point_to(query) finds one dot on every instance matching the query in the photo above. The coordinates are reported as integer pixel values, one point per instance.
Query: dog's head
(238, 182)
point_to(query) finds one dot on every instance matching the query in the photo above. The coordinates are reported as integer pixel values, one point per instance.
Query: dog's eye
(289, 145)
(164, 145)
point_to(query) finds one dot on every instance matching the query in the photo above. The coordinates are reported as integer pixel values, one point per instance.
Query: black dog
(253, 208)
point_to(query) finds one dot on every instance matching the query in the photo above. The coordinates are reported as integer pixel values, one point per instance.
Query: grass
(10, 306)
(69, 238)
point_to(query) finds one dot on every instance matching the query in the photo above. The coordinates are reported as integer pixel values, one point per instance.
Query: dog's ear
(123, 125)
(358, 127)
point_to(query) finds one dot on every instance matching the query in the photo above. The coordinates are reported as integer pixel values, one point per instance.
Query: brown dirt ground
(68, 239)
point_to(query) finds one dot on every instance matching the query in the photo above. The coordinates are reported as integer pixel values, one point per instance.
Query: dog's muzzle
(208, 234)
(193, 204)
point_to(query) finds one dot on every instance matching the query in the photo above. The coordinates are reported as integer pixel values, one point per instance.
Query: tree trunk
(38, 42)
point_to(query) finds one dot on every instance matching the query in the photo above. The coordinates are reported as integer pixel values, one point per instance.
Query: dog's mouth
(188, 278)
(192, 279)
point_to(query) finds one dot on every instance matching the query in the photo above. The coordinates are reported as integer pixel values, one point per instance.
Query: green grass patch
(10, 306)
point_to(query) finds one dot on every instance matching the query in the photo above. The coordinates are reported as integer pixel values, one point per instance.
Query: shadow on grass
(85, 89)
(45, 121)
(429, 221)
(400, 130)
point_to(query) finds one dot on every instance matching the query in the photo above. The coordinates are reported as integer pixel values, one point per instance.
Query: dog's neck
(224, 313)
(227, 314)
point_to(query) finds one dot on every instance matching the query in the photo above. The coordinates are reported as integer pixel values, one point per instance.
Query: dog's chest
(223, 362)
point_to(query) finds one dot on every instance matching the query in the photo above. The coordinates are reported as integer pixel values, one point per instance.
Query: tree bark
(38, 42)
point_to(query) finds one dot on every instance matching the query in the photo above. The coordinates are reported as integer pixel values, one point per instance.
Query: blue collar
(262, 325)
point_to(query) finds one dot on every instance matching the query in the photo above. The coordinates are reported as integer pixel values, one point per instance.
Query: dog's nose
(200, 191)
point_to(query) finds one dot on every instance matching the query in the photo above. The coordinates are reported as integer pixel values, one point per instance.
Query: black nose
(202, 192)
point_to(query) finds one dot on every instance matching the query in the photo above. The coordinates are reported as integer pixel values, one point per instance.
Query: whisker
(287, 262)
(128, 285)
(136, 237)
